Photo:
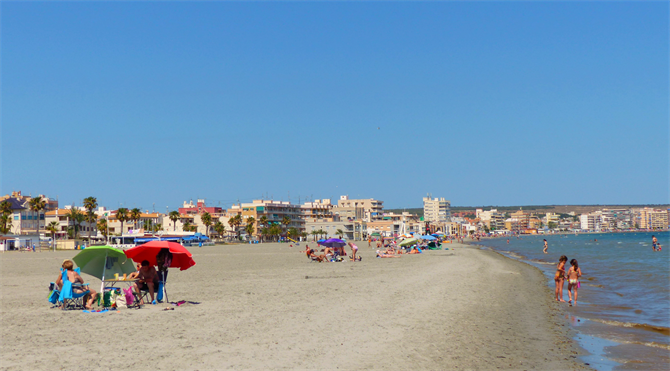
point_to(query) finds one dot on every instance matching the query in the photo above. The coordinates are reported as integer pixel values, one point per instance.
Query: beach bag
(120, 301)
(53, 297)
(130, 298)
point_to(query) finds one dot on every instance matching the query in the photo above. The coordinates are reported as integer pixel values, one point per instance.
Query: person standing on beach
(546, 246)
(559, 277)
(573, 281)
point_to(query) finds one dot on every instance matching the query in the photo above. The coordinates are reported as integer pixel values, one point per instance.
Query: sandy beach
(267, 306)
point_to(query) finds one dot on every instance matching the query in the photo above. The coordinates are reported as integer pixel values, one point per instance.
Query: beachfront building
(650, 218)
(317, 209)
(65, 223)
(436, 210)
(347, 229)
(23, 220)
(349, 213)
(274, 211)
(372, 209)
(591, 221)
(493, 219)
(190, 208)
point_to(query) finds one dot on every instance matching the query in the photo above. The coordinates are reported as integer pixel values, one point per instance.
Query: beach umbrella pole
(104, 268)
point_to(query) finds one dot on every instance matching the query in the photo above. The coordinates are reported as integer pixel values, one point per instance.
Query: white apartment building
(591, 221)
(436, 210)
(491, 218)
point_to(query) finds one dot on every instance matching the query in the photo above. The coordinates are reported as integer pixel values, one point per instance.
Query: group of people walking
(572, 276)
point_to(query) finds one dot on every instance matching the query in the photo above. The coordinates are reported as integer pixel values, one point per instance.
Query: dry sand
(267, 306)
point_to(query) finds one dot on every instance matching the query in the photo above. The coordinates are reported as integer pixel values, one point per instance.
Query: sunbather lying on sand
(385, 255)
(414, 251)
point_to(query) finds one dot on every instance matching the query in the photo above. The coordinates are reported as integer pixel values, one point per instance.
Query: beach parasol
(181, 257)
(334, 242)
(428, 237)
(376, 234)
(438, 233)
(409, 242)
(101, 261)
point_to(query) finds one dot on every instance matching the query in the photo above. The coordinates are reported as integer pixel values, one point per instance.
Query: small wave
(599, 286)
(652, 344)
(659, 329)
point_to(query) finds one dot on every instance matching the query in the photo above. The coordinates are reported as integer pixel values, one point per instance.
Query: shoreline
(614, 341)
(266, 306)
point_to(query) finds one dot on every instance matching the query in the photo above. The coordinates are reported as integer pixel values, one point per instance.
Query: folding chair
(66, 298)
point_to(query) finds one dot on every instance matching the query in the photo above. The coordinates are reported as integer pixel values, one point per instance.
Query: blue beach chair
(66, 298)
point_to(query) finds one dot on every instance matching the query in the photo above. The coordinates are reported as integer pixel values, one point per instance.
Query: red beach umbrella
(181, 258)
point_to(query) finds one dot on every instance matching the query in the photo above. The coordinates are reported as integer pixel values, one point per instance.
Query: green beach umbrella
(376, 234)
(409, 242)
(101, 261)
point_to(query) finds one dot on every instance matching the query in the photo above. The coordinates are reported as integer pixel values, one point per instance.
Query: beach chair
(66, 298)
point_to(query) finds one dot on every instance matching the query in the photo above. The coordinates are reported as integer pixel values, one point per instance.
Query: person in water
(546, 246)
(654, 244)
(559, 277)
(573, 281)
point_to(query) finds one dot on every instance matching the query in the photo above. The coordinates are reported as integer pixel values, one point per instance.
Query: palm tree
(122, 216)
(219, 227)
(157, 227)
(90, 203)
(135, 215)
(206, 219)
(275, 230)
(186, 226)
(5, 217)
(292, 232)
(251, 220)
(77, 217)
(303, 234)
(286, 221)
(264, 232)
(5, 223)
(339, 233)
(37, 204)
(263, 221)
(53, 228)
(102, 227)
(174, 216)
(249, 228)
(314, 233)
(237, 221)
(90, 218)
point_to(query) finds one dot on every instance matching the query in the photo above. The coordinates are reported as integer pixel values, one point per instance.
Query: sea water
(625, 288)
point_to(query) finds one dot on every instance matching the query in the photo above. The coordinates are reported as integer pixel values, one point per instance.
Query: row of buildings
(350, 218)
(598, 221)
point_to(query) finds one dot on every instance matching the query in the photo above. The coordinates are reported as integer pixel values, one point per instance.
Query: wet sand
(267, 306)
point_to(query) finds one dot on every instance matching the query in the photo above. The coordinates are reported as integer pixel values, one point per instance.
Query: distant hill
(536, 209)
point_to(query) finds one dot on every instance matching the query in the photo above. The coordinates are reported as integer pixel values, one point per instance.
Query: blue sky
(483, 103)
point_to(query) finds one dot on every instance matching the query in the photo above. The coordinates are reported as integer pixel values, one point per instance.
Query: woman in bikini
(559, 277)
(573, 280)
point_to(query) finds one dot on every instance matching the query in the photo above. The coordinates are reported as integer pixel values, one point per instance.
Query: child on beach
(573, 280)
(559, 277)
(546, 246)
